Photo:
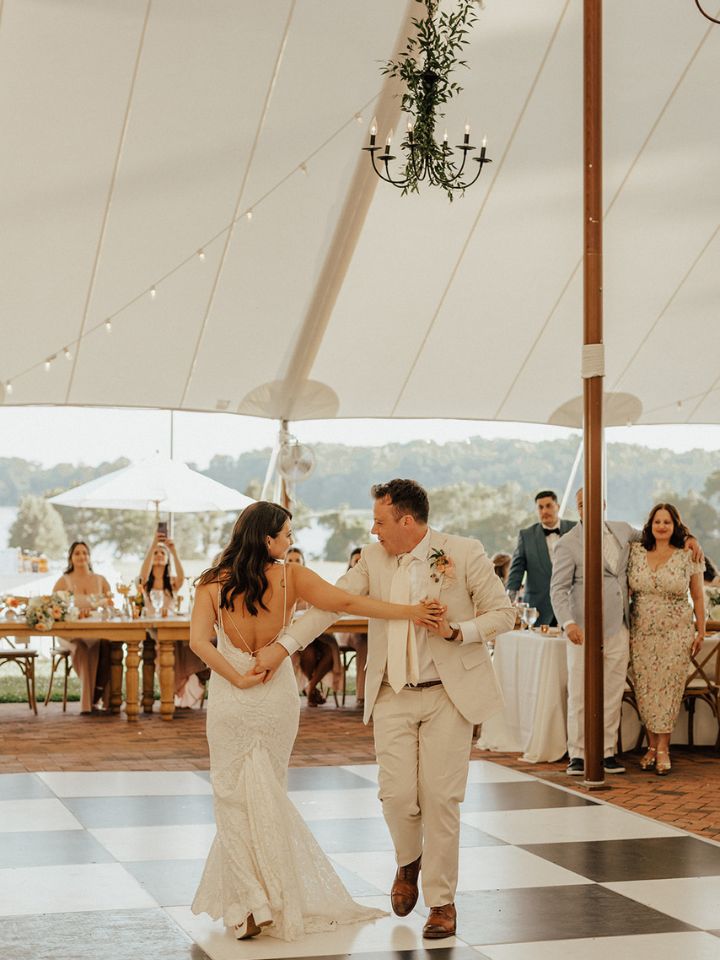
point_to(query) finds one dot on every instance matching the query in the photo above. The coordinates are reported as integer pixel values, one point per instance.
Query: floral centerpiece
(43, 612)
(12, 606)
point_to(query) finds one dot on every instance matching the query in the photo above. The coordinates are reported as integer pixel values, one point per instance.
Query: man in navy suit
(534, 555)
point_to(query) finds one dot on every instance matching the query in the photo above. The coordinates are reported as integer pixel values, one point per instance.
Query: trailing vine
(425, 67)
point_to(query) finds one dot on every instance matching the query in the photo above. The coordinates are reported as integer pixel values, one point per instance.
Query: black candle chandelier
(432, 162)
(425, 67)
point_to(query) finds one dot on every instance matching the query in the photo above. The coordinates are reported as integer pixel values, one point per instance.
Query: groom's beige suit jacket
(475, 598)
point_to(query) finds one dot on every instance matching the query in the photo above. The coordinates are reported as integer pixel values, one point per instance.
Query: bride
(265, 869)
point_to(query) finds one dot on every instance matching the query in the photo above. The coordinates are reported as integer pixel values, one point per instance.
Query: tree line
(479, 487)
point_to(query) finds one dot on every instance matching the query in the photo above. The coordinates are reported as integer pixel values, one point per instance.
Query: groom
(424, 690)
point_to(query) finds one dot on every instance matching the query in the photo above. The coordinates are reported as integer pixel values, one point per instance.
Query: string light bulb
(48, 363)
(108, 325)
(249, 215)
(153, 292)
(67, 354)
(8, 388)
(201, 254)
(303, 168)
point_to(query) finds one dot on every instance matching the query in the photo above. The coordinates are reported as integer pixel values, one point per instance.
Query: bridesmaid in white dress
(265, 868)
(90, 657)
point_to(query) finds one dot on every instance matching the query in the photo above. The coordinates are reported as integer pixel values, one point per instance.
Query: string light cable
(199, 252)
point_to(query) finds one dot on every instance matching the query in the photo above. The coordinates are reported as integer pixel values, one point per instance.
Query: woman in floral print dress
(662, 634)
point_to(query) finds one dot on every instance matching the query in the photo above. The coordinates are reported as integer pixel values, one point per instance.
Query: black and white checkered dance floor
(105, 865)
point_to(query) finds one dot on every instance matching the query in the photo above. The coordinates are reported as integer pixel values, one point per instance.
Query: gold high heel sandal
(663, 767)
(648, 761)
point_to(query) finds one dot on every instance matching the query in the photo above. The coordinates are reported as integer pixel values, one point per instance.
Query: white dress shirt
(417, 571)
(551, 539)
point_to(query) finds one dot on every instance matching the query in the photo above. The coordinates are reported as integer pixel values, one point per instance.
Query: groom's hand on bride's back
(268, 659)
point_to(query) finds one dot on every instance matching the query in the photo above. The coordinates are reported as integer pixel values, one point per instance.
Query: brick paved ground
(689, 798)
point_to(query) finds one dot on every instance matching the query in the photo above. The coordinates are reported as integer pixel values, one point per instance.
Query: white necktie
(402, 663)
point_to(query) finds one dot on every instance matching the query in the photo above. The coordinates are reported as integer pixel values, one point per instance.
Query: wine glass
(157, 599)
(530, 615)
(521, 607)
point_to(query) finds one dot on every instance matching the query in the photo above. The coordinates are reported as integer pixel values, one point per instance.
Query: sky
(50, 435)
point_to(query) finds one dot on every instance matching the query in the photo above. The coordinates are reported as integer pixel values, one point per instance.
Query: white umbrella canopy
(158, 484)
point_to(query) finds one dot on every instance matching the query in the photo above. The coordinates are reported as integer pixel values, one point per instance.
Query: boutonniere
(441, 565)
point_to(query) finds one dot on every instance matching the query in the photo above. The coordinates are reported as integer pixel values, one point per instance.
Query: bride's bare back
(250, 633)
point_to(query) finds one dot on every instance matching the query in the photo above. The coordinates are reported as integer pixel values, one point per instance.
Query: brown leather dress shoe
(441, 922)
(404, 893)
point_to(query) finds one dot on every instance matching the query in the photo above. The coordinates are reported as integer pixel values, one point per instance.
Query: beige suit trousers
(423, 749)
(616, 654)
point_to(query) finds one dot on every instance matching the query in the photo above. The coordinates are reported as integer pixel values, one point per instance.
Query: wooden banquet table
(128, 648)
(531, 668)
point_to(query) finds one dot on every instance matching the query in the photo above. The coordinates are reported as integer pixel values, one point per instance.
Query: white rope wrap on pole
(593, 361)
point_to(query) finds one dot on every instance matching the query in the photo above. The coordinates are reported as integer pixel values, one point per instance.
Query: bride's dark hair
(240, 568)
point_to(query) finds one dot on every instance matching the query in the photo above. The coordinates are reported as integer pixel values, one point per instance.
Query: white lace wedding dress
(264, 860)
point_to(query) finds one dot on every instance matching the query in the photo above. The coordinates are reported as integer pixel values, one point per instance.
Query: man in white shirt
(423, 690)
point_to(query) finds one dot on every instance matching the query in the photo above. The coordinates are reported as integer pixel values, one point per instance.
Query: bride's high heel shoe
(648, 761)
(248, 929)
(663, 767)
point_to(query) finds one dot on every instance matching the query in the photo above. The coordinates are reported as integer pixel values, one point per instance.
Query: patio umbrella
(158, 483)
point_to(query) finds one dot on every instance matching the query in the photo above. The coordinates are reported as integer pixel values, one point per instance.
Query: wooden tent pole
(593, 377)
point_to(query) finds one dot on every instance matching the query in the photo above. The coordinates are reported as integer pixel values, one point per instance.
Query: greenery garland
(425, 67)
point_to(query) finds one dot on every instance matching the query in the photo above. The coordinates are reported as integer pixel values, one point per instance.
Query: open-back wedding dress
(264, 860)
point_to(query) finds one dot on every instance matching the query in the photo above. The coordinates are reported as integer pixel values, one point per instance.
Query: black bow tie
(548, 532)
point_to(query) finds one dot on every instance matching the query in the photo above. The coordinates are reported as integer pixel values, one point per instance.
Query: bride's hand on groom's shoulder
(429, 613)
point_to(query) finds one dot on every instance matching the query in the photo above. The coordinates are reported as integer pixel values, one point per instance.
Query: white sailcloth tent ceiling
(188, 174)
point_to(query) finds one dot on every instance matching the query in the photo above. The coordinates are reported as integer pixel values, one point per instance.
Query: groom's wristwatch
(455, 627)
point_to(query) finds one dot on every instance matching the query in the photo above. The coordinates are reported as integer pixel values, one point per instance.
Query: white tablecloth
(532, 670)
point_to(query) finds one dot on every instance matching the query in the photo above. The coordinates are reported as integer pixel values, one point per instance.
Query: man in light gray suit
(533, 556)
(567, 593)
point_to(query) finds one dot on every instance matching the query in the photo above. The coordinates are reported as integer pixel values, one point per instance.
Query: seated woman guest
(157, 574)
(711, 577)
(90, 657)
(359, 643)
(320, 658)
(662, 635)
(501, 562)
(295, 555)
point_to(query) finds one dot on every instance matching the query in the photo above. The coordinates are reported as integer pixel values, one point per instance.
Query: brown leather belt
(417, 686)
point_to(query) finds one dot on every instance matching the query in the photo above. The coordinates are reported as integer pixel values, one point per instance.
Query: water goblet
(157, 599)
(521, 608)
(531, 615)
